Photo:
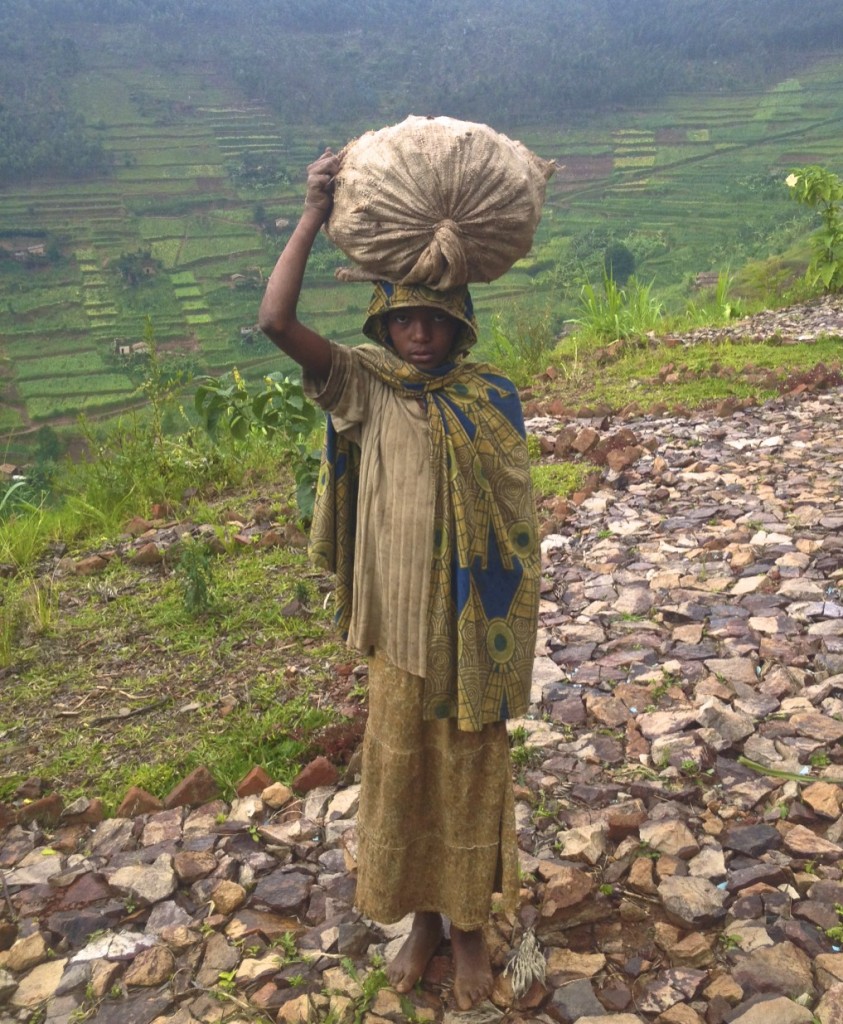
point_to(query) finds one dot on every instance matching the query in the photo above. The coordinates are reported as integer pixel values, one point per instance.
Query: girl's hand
(320, 182)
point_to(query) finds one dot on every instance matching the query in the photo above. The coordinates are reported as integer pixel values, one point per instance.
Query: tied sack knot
(443, 262)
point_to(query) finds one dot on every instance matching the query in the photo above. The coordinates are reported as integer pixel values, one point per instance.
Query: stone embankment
(679, 789)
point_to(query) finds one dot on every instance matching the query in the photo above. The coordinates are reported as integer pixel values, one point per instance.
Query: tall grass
(618, 312)
(521, 343)
(25, 532)
(10, 616)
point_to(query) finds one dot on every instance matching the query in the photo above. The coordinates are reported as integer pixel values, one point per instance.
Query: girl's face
(422, 336)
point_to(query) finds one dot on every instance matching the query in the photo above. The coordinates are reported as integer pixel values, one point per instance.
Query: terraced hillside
(695, 185)
(208, 185)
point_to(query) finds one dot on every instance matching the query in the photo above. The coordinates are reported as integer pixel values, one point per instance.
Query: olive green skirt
(436, 825)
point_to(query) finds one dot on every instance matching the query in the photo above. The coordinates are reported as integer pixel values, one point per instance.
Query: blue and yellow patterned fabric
(486, 565)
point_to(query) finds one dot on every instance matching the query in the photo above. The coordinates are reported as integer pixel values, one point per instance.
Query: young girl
(425, 512)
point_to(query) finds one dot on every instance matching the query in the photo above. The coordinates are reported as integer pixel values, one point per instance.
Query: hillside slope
(678, 779)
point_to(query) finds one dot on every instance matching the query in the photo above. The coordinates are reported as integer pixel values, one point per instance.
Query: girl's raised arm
(277, 317)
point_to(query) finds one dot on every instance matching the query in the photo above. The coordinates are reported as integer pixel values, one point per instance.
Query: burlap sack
(436, 201)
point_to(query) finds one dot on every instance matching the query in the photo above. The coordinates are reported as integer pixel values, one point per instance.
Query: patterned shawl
(486, 565)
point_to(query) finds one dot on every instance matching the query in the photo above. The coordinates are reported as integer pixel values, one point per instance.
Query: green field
(692, 185)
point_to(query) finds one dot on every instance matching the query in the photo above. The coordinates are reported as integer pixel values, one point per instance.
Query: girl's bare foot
(473, 976)
(413, 957)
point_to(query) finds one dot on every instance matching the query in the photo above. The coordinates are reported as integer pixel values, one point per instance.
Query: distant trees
(331, 61)
(258, 169)
(136, 267)
(618, 263)
(39, 132)
(34, 143)
(550, 59)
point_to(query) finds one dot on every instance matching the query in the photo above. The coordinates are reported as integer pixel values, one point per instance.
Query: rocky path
(679, 789)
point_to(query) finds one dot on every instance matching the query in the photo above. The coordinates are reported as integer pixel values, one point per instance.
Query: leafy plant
(161, 383)
(288, 951)
(727, 307)
(522, 754)
(822, 190)
(226, 981)
(195, 573)
(371, 984)
(280, 409)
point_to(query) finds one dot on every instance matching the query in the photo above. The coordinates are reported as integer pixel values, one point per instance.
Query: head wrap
(456, 302)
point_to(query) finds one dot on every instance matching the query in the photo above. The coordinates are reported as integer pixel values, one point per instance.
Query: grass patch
(114, 691)
(78, 363)
(79, 384)
(651, 374)
(559, 479)
(10, 419)
(43, 408)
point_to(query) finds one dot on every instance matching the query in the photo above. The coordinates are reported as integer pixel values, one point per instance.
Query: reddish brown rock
(295, 537)
(84, 812)
(228, 897)
(199, 787)
(191, 865)
(137, 801)
(273, 538)
(567, 888)
(137, 526)
(585, 440)
(564, 441)
(91, 566)
(148, 554)
(619, 459)
(8, 816)
(824, 799)
(46, 810)
(151, 967)
(276, 795)
(31, 788)
(253, 783)
(625, 819)
(320, 772)
(781, 969)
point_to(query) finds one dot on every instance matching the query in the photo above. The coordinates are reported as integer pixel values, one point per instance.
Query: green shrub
(279, 410)
(822, 190)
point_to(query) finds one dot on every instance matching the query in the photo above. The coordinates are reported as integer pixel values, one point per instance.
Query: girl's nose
(420, 328)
